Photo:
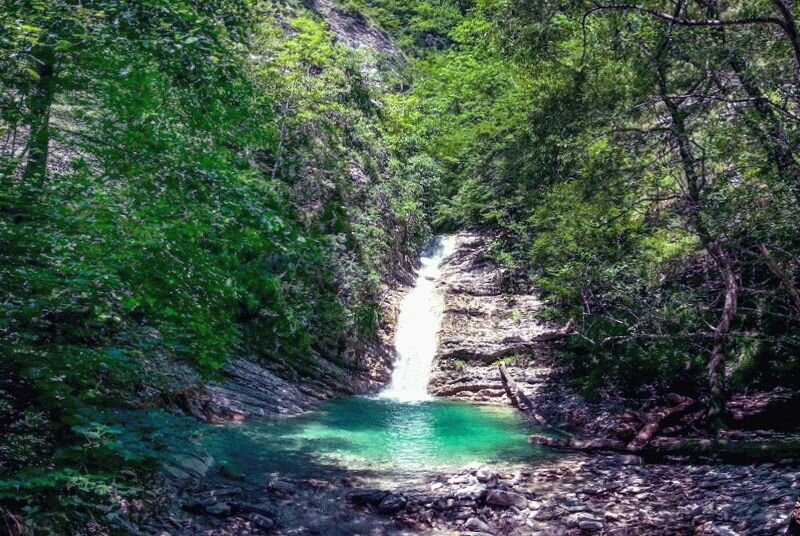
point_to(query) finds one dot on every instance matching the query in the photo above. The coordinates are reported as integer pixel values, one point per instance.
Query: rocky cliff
(484, 325)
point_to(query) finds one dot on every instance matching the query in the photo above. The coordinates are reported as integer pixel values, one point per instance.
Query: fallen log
(596, 443)
(740, 450)
(656, 418)
(517, 396)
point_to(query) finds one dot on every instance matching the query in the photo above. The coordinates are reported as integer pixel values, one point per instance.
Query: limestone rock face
(247, 388)
(482, 324)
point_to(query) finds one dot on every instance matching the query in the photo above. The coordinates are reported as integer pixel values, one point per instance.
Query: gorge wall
(484, 325)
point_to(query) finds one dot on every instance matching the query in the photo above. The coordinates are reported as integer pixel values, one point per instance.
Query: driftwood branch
(650, 429)
(596, 443)
(518, 398)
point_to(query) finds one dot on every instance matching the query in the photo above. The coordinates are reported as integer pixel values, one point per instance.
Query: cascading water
(417, 326)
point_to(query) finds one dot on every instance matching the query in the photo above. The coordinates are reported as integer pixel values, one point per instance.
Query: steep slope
(249, 387)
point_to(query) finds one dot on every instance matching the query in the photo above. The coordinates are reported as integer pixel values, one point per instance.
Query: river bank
(572, 495)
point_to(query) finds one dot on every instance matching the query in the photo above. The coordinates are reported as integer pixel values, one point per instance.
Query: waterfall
(417, 326)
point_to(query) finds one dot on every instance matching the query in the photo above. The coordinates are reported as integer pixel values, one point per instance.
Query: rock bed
(575, 495)
(603, 494)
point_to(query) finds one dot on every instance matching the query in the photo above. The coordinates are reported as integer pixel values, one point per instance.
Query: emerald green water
(375, 434)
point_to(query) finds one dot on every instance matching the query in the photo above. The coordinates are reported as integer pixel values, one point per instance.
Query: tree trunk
(39, 105)
(716, 366)
(789, 27)
(794, 521)
(694, 186)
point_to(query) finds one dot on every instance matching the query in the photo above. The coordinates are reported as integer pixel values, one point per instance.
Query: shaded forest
(188, 181)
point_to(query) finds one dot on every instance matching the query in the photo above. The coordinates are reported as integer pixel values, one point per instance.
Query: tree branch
(682, 21)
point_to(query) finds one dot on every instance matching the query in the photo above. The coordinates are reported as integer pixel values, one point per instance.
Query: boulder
(281, 486)
(506, 499)
(391, 504)
(477, 525)
(372, 497)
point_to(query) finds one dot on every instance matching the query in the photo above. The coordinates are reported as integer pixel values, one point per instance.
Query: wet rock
(189, 465)
(372, 497)
(463, 513)
(261, 522)
(199, 505)
(590, 525)
(262, 508)
(219, 509)
(485, 476)
(583, 520)
(283, 487)
(628, 459)
(506, 499)
(558, 530)
(470, 492)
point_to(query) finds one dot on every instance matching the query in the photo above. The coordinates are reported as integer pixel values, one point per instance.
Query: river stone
(485, 476)
(590, 525)
(476, 524)
(280, 486)
(505, 499)
(558, 530)
(469, 492)
(367, 496)
(628, 459)
(578, 519)
(391, 504)
(220, 509)
(261, 522)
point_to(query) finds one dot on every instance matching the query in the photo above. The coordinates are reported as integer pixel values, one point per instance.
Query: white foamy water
(417, 326)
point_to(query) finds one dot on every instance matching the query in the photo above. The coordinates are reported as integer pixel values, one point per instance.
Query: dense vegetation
(181, 182)
(185, 181)
(639, 163)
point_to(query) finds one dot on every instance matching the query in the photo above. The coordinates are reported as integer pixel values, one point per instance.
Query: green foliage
(516, 360)
(212, 179)
(548, 123)
(185, 181)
